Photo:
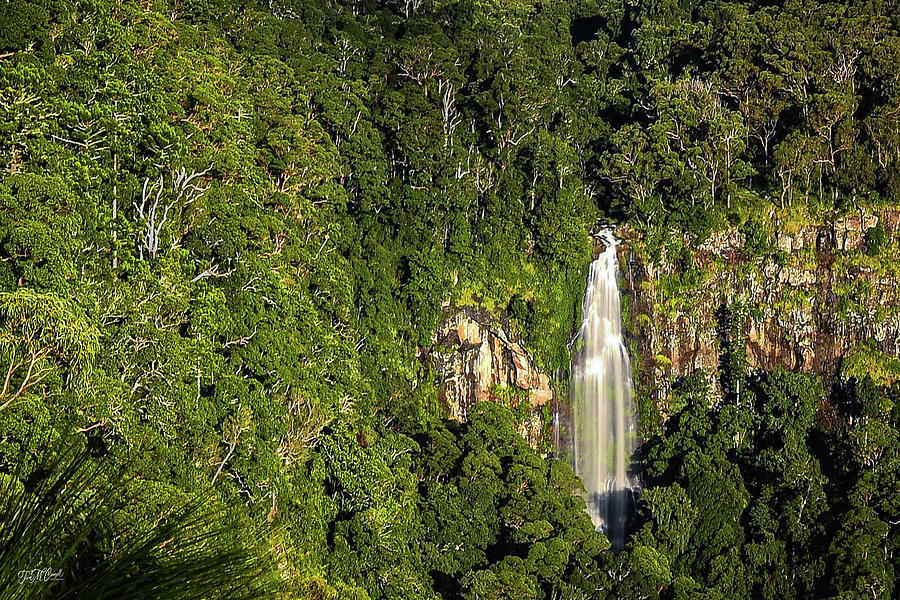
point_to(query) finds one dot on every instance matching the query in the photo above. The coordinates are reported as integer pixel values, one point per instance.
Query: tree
(42, 336)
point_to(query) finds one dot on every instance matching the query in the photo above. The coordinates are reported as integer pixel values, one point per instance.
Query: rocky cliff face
(813, 296)
(478, 359)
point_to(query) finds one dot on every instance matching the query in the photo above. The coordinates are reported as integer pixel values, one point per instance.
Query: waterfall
(604, 432)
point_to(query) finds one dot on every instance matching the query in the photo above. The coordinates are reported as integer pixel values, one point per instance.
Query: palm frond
(63, 516)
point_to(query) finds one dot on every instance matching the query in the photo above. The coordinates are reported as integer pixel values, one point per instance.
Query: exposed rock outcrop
(807, 307)
(476, 356)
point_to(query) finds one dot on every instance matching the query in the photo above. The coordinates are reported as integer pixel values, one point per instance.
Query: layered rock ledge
(476, 357)
(812, 297)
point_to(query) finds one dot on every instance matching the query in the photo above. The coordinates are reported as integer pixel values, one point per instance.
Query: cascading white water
(604, 432)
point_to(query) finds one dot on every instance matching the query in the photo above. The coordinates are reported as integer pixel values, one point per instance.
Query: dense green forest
(228, 228)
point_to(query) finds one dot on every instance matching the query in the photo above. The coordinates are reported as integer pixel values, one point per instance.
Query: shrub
(875, 238)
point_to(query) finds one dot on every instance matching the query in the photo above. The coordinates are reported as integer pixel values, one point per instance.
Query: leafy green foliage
(229, 230)
(766, 502)
(875, 238)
